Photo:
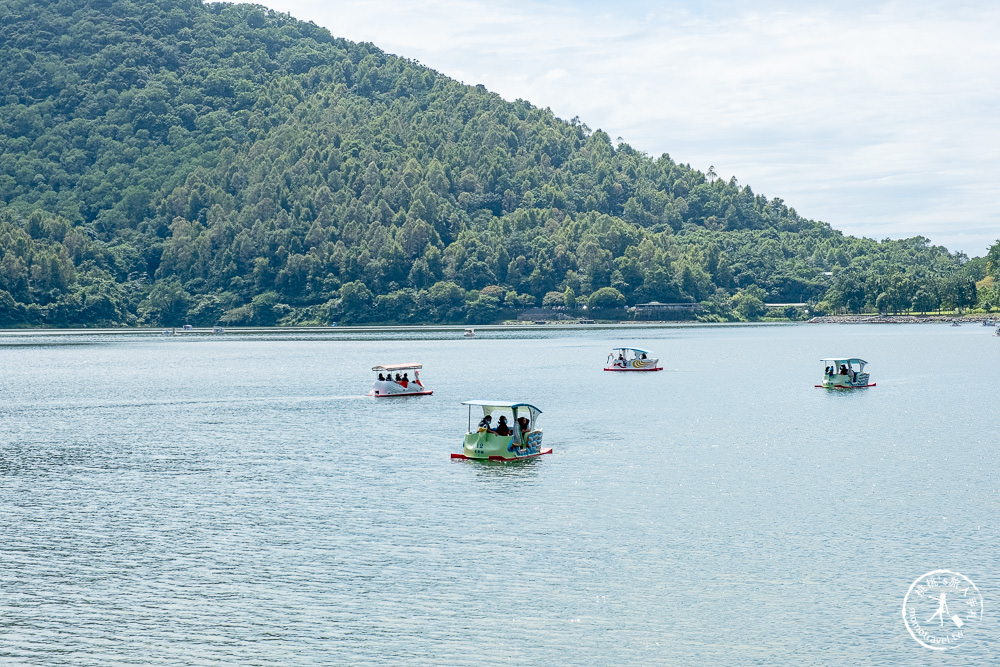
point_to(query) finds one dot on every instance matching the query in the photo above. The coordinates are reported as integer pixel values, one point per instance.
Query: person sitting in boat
(380, 377)
(522, 423)
(502, 428)
(643, 355)
(485, 424)
(843, 369)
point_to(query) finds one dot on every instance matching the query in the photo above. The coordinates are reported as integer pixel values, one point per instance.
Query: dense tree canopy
(167, 161)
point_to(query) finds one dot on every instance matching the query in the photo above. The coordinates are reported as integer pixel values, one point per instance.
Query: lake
(236, 499)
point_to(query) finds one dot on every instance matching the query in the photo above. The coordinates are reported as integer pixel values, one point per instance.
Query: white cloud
(878, 117)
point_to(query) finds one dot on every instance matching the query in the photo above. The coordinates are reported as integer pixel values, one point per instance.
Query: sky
(881, 118)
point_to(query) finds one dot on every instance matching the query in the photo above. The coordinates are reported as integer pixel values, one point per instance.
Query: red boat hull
(634, 370)
(503, 459)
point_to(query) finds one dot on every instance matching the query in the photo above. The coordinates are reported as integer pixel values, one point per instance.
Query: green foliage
(748, 304)
(606, 298)
(177, 161)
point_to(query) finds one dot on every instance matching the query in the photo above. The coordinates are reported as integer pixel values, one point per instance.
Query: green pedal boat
(507, 432)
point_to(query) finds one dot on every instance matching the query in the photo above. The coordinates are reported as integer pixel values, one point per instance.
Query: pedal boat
(631, 359)
(844, 373)
(390, 387)
(484, 444)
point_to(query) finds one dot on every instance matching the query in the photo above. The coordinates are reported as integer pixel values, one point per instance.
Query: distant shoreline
(977, 319)
(901, 319)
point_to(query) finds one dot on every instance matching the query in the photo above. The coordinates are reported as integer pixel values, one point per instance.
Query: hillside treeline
(171, 161)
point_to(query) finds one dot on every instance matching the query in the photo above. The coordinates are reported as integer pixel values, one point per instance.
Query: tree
(925, 300)
(569, 298)
(356, 302)
(447, 301)
(606, 298)
(993, 260)
(553, 299)
(166, 304)
(483, 310)
(748, 304)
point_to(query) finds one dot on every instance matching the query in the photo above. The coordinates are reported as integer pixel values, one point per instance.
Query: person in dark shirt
(502, 428)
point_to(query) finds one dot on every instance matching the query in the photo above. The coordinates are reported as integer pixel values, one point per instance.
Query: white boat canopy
(515, 407)
(501, 405)
(634, 349)
(397, 367)
(850, 362)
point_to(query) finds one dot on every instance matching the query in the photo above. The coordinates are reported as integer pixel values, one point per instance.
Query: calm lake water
(236, 499)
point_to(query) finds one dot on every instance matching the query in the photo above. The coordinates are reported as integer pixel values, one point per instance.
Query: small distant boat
(631, 359)
(997, 332)
(390, 381)
(496, 439)
(470, 333)
(989, 322)
(218, 330)
(844, 373)
(955, 324)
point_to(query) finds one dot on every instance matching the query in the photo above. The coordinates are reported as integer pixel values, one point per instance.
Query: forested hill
(171, 161)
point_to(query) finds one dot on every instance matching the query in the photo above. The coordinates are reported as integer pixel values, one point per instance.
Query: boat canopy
(848, 361)
(490, 406)
(634, 349)
(397, 367)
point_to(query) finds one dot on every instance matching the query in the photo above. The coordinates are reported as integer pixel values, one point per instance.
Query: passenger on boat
(485, 424)
(502, 428)
(843, 369)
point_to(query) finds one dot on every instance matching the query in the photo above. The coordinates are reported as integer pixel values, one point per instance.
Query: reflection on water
(237, 499)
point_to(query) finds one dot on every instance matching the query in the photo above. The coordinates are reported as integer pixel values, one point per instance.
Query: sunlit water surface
(236, 499)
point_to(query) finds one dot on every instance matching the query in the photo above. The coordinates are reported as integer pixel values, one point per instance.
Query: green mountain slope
(169, 161)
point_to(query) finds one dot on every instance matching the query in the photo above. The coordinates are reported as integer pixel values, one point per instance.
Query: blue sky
(880, 118)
